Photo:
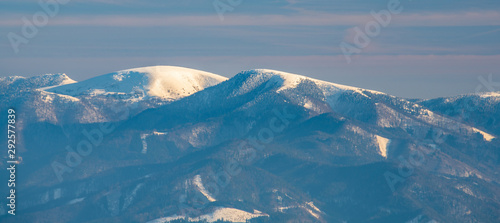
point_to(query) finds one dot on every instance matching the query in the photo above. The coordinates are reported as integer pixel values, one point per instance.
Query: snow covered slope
(18, 83)
(56, 98)
(289, 80)
(252, 93)
(221, 213)
(165, 82)
(288, 83)
(479, 109)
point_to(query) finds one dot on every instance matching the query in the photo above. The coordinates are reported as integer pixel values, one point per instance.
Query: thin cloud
(481, 34)
(486, 18)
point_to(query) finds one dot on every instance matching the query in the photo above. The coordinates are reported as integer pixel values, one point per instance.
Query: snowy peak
(166, 82)
(36, 82)
(250, 79)
(314, 95)
(490, 96)
(493, 96)
(174, 82)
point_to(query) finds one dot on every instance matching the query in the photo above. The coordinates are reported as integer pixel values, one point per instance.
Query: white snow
(199, 185)
(167, 219)
(281, 209)
(62, 79)
(10, 79)
(357, 130)
(118, 77)
(494, 96)
(166, 82)
(130, 198)
(68, 81)
(62, 96)
(144, 137)
(489, 94)
(389, 117)
(433, 118)
(309, 207)
(95, 92)
(57, 193)
(465, 189)
(77, 200)
(382, 145)
(286, 81)
(159, 133)
(311, 204)
(228, 214)
(312, 213)
(199, 134)
(144, 143)
(47, 98)
(486, 136)
(293, 80)
(315, 212)
(308, 104)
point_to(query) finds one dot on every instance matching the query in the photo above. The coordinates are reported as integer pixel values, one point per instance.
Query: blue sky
(429, 49)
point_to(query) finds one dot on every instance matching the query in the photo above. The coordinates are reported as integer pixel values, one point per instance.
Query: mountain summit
(18, 83)
(165, 82)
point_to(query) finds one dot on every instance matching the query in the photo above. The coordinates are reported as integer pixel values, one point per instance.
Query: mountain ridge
(307, 150)
(166, 82)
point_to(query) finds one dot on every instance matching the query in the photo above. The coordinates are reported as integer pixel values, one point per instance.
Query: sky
(407, 48)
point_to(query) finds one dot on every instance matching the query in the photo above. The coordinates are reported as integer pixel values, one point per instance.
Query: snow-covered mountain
(60, 100)
(165, 82)
(479, 109)
(18, 83)
(262, 146)
(253, 92)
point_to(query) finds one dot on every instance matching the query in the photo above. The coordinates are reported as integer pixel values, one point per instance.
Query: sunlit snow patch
(165, 82)
(486, 136)
(383, 143)
(199, 185)
(228, 214)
